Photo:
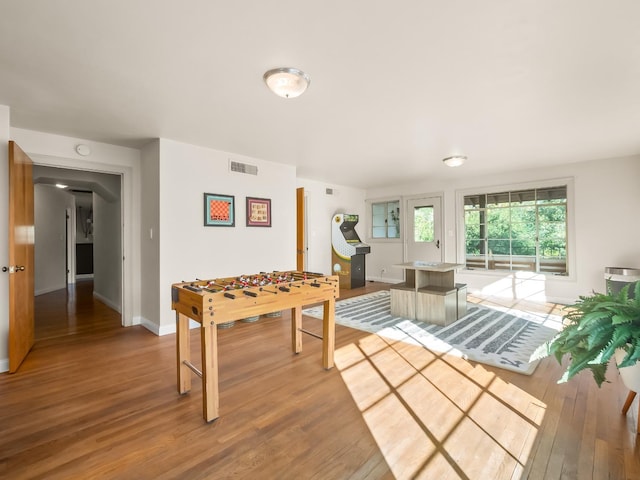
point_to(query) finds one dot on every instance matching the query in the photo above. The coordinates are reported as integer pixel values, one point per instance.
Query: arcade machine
(347, 251)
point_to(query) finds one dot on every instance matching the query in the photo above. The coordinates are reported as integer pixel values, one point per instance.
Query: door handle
(437, 243)
(12, 269)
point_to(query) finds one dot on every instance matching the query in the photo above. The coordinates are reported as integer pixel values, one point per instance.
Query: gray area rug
(503, 339)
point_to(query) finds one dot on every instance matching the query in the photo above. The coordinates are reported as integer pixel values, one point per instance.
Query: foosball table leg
(183, 353)
(210, 394)
(328, 333)
(296, 329)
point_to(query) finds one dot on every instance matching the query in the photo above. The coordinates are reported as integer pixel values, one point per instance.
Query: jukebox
(347, 251)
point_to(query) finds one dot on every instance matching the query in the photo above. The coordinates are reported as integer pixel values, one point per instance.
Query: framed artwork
(219, 210)
(258, 212)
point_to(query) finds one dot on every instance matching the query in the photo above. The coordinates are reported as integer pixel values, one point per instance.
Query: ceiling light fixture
(287, 82)
(454, 161)
(61, 185)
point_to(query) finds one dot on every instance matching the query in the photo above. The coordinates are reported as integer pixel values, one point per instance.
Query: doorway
(302, 249)
(423, 220)
(69, 251)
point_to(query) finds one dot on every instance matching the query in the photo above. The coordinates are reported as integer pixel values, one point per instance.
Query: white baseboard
(168, 329)
(49, 290)
(164, 329)
(107, 302)
(383, 280)
(149, 325)
(562, 301)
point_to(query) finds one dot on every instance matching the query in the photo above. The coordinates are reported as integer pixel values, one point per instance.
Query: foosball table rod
(310, 333)
(192, 367)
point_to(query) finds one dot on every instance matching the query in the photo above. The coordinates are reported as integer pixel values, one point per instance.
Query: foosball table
(224, 300)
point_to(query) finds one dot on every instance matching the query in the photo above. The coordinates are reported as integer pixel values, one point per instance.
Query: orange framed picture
(219, 210)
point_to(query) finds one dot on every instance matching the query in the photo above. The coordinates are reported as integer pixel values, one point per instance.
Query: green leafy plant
(595, 326)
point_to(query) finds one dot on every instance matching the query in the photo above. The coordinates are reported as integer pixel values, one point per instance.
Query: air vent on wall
(329, 191)
(242, 168)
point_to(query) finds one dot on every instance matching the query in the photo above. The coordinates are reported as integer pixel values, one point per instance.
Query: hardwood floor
(96, 400)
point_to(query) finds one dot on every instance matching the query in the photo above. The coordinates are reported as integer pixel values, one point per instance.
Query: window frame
(370, 203)
(542, 184)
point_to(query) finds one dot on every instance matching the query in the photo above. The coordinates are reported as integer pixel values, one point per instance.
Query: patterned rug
(503, 339)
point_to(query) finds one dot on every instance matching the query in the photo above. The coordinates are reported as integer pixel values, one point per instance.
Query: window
(517, 230)
(423, 224)
(385, 221)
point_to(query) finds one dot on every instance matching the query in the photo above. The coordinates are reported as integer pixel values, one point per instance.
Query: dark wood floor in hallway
(96, 400)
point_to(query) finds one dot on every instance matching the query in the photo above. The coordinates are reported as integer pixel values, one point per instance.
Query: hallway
(74, 311)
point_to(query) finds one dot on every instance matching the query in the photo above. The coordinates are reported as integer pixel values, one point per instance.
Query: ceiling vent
(242, 168)
(329, 191)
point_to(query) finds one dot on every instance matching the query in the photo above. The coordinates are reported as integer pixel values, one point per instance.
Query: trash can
(619, 277)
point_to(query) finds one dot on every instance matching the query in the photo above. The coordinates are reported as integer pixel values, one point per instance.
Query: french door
(424, 229)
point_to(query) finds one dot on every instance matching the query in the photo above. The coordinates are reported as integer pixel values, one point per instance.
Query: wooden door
(424, 229)
(21, 260)
(300, 230)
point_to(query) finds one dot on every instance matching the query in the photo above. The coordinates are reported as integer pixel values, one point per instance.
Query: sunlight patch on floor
(436, 416)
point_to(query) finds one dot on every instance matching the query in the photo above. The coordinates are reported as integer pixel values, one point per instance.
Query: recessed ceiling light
(61, 185)
(454, 161)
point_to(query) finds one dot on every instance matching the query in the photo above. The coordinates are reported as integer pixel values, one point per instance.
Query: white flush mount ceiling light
(454, 161)
(61, 185)
(287, 82)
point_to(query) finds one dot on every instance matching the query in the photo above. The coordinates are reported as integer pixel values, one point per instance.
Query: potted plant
(595, 327)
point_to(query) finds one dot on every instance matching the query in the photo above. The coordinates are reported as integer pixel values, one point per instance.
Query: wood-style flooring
(96, 400)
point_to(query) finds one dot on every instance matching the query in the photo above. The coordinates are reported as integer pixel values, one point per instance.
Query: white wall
(320, 208)
(189, 250)
(150, 244)
(4, 238)
(605, 196)
(50, 209)
(107, 251)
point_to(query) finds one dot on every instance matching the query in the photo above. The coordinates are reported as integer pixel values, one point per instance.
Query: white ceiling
(395, 86)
